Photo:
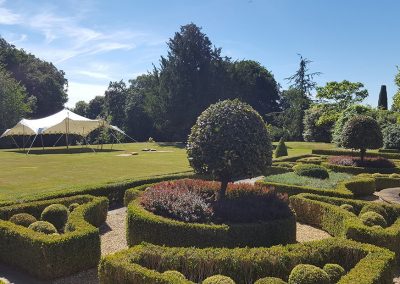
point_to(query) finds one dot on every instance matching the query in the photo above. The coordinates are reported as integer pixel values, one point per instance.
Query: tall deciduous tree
(96, 107)
(396, 97)
(81, 108)
(382, 101)
(115, 101)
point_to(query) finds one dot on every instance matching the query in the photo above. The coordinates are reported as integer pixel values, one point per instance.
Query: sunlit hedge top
(229, 141)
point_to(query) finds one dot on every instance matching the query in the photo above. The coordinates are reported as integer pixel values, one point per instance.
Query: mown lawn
(53, 170)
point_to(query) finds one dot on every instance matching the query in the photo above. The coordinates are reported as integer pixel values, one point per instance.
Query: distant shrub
(348, 207)
(72, 206)
(281, 149)
(369, 162)
(175, 274)
(372, 218)
(56, 214)
(270, 280)
(316, 130)
(308, 274)
(43, 227)
(334, 271)
(218, 279)
(374, 208)
(311, 170)
(391, 137)
(23, 219)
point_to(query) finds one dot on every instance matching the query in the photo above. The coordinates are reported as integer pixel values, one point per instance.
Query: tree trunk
(222, 191)
(362, 155)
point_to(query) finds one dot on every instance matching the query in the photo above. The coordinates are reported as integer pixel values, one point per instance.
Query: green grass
(294, 179)
(300, 148)
(55, 169)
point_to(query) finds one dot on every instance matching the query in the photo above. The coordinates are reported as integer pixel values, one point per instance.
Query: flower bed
(325, 213)
(52, 256)
(248, 216)
(368, 162)
(146, 263)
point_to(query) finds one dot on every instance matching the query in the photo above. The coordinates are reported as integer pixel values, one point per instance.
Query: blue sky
(98, 41)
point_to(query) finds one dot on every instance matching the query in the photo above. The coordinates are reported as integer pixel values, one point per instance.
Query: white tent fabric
(62, 122)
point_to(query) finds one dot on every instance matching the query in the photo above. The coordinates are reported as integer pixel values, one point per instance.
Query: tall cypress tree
(382, 102)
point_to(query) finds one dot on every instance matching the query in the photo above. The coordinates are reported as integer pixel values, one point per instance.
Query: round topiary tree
(23, 219)
(218, 279)
(270, 280)
(334, 271)
(371, 218)
(56, 214)
(43, 227)
(174, 274)
(308, 274)
(391, 137)
(281, 149)
(362, 132)
(229, 141)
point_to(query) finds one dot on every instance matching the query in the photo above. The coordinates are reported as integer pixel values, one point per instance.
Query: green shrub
(281, 149)
(270, 280)
(43, 227)
(142, 263)
(359, 170)
(374, 208)
(76, 250)
(218, 279)
(372, 219)
(311, 160)
(336, 152)
(56, 214)
(348, 207)
(360, 186)
(210, 148)
(334, 271)
(174, 273)
(72, 207)
(391, 137)
(311, 170)
(308, 274)
(23, 219)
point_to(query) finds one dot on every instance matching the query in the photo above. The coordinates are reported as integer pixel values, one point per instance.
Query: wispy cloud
(7, 17)
(95, 75)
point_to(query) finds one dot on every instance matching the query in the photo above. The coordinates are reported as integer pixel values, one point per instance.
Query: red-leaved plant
(369, 162)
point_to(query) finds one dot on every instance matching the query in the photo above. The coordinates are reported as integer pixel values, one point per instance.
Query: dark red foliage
(369, 162)
(194, 201)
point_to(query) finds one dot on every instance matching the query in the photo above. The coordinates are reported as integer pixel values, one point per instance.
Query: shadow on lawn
(65, 151)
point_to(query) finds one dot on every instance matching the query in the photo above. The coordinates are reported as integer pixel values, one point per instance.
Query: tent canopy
(62, 122)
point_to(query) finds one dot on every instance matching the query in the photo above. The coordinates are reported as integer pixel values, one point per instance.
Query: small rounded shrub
(175, 274)
(281, 149)
(218, 279)
(334, 271)
(72, 206)
(348, 207)
(374, 208)
(23, 219)
(56, 214)
(391, 136)
(308, 274)
(372, 218)
(43, 227)
(270, 280)
(311, 170)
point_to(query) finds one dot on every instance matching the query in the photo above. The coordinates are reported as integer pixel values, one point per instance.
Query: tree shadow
(64, 151)
(180, 145)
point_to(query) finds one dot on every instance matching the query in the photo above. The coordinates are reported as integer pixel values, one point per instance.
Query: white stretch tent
(63, 122)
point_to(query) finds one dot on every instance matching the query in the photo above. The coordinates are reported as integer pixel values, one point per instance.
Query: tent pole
(41, 138)
(89, 144)
(58, 140)
(66, 133)
(19, 148)
(23, 137)
(31, 145)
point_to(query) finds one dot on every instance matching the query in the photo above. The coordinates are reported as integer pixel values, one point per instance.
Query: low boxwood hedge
(144, 226)
(383, 181)
(293, 158)
(52, 256)
(359, 186)
(360, 170)
(339, 152)
(146, 262)
(325, 213)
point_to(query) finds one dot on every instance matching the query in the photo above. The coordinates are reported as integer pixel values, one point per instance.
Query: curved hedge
(325, 213)
(360, 170)
(144, 226)
(146, 262)
(341, 152)
(53, 256)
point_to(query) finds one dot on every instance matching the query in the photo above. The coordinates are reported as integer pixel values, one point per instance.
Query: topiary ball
(72, 206)
(23, 219)
(311, 170)
(229, 141)
(348, 207)
(374, 208)
(57, 214)
(308, 274)
(270, 280)
(218, 279)
(334, 271)
(174, 274)
(372, 218)
(43, 227)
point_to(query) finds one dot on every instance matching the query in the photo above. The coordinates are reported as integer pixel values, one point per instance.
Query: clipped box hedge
(383, 181)
(293, 158)
(359, 186)
(52, 256)
(144, 226)
(324, 212)
(145, 263)
(360, 170)
(339, 152)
